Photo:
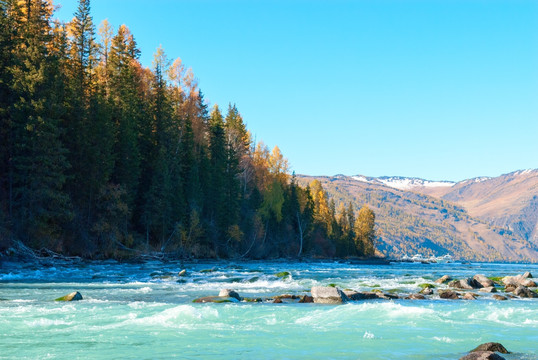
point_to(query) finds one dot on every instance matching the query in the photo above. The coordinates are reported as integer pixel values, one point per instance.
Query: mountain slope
(415, 215)
(509, 201)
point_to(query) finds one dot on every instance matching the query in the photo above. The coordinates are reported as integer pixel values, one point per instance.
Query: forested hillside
(409, 221)
(102, 157)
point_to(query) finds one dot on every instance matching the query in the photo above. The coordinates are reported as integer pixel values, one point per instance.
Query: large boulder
(448, 294)
(491, 346)
(230, 293)
(524, 292)
(443, 279)
(328, 295)
(524, 279)
(527, 283)
(483, 280)
(74, 296)
(482, 355)
(465, 284)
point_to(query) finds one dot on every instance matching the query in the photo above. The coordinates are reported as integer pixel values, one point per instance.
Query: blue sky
(443, 90)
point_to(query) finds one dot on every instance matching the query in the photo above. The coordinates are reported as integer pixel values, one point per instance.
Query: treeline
(101, 157)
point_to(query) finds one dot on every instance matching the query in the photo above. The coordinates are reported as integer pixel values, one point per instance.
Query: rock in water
(357, 296)
(182, 273)
(74, 296)
(510, 287)
(215, 299)
(466, 284)
(491, 346)
(230, 293)
(416, 297)
(484, 281)
(283, 275)
(524, 280)
(443, 279)
(426, 291)
(499, 297)
(489, 289)
(306, 299)
(469, 296)
(524, 292)
(328, 295)
(483, 355)
(527, 283)
(448, 294)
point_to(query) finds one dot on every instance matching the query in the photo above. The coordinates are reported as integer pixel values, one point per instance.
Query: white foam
(443, 339)
(368, 335)
(43, 322)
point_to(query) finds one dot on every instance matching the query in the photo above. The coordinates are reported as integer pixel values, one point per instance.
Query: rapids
(145, 311)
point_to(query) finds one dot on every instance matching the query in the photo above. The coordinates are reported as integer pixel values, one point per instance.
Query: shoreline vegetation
(102, 158)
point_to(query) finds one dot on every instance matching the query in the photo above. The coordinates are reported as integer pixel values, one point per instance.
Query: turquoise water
(145, 311)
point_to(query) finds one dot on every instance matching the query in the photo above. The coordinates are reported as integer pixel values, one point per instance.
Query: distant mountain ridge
(484, 218)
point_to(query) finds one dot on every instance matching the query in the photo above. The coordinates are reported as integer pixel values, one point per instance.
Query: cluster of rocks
(513, 286)
(487, 351)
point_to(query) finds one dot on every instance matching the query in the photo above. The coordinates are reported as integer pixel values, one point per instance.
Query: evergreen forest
(101, 157)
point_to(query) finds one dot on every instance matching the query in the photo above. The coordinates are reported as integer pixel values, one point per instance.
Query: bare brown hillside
(467, 220)
(509, 201)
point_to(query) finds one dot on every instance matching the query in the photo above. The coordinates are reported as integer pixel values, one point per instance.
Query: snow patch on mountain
(402, 183)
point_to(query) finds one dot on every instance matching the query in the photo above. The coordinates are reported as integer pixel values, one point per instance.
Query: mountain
(488, 219)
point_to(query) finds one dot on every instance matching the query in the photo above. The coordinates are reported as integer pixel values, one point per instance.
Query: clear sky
(438, 89)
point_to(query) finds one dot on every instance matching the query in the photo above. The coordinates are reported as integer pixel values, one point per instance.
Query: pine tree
(164, 202)
(218, 164)
(89, 131)
(126, 110)
(38, 165)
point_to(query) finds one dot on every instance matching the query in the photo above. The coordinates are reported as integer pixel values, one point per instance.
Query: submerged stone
(357, 296)
(282, 274)
(74, 296)
(229, 293)
(215, 299)
(483, 355)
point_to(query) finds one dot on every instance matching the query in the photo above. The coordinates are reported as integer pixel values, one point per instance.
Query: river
(145, 311)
